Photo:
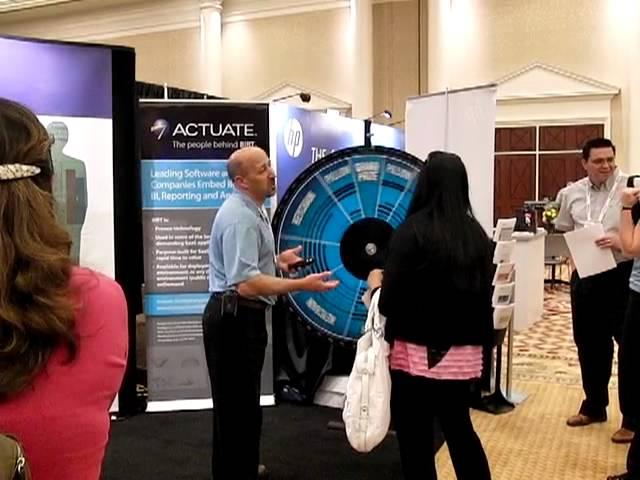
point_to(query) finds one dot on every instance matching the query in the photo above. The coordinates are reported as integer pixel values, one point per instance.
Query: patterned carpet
(546, 352)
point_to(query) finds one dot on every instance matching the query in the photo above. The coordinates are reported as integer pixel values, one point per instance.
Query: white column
(362, 55)
(423, 60)
(633, 128)
(211, 46)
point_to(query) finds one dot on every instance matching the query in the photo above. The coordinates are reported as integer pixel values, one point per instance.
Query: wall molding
(319, 100)
(273, 8)
(113, 22)
(152, 16)
(541, 81)
(545, 94)
(243, 10)
(28, 4)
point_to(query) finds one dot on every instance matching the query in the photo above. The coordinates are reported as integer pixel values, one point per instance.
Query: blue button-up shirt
(241, 245)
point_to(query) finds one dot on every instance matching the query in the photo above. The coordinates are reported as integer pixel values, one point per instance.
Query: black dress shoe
(263, 472)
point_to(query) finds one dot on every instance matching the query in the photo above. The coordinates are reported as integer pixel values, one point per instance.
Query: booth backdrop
(85, 96)
(184, 148)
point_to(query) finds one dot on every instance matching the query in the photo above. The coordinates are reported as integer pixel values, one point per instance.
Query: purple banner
(57, 78)
(304, 137)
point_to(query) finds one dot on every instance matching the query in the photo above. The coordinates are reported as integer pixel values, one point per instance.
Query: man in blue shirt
(243, 285)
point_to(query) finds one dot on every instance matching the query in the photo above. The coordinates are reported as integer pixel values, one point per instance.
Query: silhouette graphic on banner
(69, 187)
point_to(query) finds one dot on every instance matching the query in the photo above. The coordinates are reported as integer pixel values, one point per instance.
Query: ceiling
(25, 10)
(18, 11)
(15, 5)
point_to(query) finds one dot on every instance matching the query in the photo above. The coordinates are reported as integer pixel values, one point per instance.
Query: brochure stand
(503, 305)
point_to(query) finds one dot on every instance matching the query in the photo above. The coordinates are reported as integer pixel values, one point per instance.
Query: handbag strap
(12, 458)
(373, 307)
(374, 320)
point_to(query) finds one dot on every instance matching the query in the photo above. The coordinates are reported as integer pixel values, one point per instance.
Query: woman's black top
(429, 303)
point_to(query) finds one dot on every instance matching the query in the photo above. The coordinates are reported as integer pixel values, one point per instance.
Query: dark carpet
(296, 444)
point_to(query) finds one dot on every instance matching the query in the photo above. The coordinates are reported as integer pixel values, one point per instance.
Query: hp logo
(159, 127)
(293, 137)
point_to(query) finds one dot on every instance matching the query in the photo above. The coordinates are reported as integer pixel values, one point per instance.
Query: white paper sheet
(588, 258)
(504, 273)
(502, 315)
(503, 294)
(503, 251)
(504, 229)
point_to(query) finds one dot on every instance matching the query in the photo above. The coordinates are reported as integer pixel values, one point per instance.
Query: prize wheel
(343, 210)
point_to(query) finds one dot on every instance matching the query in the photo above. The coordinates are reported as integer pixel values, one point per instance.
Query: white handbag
(367, 409)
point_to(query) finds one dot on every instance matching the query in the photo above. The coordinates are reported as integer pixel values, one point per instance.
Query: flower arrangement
(549, 214)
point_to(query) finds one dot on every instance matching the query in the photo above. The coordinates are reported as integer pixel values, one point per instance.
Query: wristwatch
(627, 208)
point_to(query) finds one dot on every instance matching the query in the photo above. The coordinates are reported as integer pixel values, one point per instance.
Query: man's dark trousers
(598, 305)
(235, 348)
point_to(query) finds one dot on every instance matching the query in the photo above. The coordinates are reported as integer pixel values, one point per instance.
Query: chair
(556, 254)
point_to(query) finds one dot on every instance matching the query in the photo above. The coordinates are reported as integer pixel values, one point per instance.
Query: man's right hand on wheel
(320, 282)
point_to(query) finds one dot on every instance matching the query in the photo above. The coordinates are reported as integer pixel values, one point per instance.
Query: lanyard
(607, 203)
(264, 216)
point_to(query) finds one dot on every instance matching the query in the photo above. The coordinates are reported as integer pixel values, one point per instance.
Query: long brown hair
(37, 314)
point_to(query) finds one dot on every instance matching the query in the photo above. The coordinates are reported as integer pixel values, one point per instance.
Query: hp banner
(185, 147)
(303, 137)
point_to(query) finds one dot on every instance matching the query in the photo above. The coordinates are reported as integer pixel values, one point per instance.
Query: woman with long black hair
(436, 295)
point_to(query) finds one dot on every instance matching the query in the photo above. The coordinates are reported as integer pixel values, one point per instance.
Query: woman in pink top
(63, 329)
(436, 295)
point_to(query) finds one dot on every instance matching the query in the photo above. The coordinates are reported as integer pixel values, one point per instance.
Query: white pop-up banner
(462, 122)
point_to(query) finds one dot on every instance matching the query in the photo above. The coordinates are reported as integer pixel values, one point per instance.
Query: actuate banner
(185, 147)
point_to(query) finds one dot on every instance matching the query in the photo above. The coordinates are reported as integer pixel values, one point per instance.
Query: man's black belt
(247, 302)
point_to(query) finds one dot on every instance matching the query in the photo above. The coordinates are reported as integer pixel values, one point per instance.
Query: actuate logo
(159, 127)
(215, 130)
(293, 137)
